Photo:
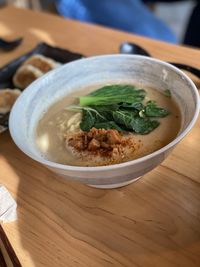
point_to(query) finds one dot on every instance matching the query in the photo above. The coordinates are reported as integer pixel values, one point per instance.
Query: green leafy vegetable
(135, 123)
(88, 120)
(106, 111)
(152, 110)
(119, 107)
(123, 118)
(137, 105)
(108, 125)
(113, 94)
(106, 108)
(90, 116)
(144, 125)
(117, 89)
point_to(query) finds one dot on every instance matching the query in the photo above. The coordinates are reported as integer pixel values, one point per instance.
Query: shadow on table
(63, 223)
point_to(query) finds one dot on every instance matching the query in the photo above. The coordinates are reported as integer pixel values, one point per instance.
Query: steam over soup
(107, 125)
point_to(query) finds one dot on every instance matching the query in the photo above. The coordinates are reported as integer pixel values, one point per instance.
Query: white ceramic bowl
(36, 99)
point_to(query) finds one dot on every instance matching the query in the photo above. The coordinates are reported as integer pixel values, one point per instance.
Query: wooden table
(153, 222)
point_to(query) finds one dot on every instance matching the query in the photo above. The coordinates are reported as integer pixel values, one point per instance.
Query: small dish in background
(8, 71)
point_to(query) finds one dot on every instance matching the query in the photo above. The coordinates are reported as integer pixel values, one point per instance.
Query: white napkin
(8, 206)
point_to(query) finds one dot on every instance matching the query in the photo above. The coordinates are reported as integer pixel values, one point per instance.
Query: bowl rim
(178, 138)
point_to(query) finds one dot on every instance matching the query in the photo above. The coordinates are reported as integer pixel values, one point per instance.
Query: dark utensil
(9, 45)
(133, 49)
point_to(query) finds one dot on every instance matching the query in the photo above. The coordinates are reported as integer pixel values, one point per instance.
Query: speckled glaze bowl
(41, 94)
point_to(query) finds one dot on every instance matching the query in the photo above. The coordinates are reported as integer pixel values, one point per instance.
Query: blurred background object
(33, 4)
(176, 15)
(187, 17)
(168, 18)
(45, 5)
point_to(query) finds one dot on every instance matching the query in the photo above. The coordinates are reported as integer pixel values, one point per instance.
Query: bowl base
(112, 186)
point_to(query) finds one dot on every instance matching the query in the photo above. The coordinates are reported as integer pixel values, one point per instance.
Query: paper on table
(8, 206)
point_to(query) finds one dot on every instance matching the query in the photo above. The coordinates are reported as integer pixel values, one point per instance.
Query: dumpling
(25, 75)
(33, 68)
(42, 63)
(7, 99)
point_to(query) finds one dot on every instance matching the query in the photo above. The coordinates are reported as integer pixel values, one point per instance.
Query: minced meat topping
(101, 142)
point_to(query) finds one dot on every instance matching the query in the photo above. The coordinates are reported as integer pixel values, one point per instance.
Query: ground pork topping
(101, 142)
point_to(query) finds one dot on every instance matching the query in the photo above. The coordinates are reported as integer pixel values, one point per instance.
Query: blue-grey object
(128, 15)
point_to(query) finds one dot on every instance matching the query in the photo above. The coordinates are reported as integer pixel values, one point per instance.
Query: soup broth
(54, 124)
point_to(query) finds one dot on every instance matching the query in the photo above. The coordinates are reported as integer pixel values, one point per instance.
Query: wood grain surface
(153, 222)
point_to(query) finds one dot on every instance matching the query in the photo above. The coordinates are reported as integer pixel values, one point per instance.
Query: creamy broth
(52, 127)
